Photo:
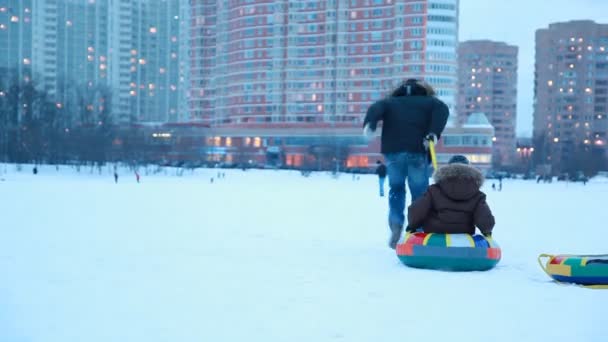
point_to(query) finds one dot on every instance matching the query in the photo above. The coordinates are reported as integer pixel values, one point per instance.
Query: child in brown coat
(454, 204)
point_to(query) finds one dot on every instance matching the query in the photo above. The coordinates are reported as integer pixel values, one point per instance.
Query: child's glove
(410, 230)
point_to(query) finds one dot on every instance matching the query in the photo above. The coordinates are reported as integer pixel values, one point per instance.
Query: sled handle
(542, 265)
(433, 154)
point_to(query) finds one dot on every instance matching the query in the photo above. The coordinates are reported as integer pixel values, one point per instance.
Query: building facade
(315, 63)
(571, 92)
(102, 56)
(313, 149)
(487, 82)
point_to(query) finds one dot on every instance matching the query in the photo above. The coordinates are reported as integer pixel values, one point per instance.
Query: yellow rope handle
(433, 155)
(542, 265)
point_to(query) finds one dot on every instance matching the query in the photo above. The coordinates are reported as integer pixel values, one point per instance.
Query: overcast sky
(515, 22)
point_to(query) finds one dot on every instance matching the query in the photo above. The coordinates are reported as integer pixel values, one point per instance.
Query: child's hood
(459, 181)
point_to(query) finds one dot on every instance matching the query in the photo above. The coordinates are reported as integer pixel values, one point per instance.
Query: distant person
(381, 172)
(499, 183)
(411, 116)
(494, 186)
(35, 170)
(454, 204)
(115, 177)
(137, 176)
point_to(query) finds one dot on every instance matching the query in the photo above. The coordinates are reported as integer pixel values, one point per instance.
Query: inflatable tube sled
(451, 252)
(587, 270)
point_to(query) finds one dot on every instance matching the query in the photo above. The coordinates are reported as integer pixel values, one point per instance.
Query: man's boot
(396, 231)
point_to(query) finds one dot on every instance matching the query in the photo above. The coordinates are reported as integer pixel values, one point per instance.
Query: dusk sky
(515, 22)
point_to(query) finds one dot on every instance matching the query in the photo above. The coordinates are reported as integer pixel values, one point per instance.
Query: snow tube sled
(586, 270)
(451, 252)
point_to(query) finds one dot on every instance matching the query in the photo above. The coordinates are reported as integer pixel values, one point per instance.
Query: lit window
(228, 141)
(151, 86)
(68, 23)
(133, 93)
(90, 49)
(550, 83)
(556, 139)
(152, 30)
(319, 108)
(2, 9)
(142, 61)
(14, 19)
(588, 90)
(173, 87)
(134, 52)
(102, 58)
(257, 142)
(102, 67)
(27, 61)
(2, 27)
(162, 70)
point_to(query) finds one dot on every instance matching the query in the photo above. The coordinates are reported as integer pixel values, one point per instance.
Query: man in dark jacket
(381, 172)
(454, 204)
(410, 117)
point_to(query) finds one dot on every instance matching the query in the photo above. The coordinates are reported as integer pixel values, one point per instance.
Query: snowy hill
(274, 256)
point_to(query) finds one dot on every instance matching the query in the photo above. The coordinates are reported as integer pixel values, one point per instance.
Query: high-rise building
(21, 33)
(571, 91)
(315, 63)
(487, 82)
(125, 57)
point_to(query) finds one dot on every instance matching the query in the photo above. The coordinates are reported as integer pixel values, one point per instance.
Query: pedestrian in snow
(115, 177)
(500, 183)
(35, 170)
(454, 204)
(494, 186)
(412, 116)
(381, 172)
(137, 176)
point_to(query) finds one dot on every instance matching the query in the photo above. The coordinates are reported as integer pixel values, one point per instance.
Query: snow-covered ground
(274, 256)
